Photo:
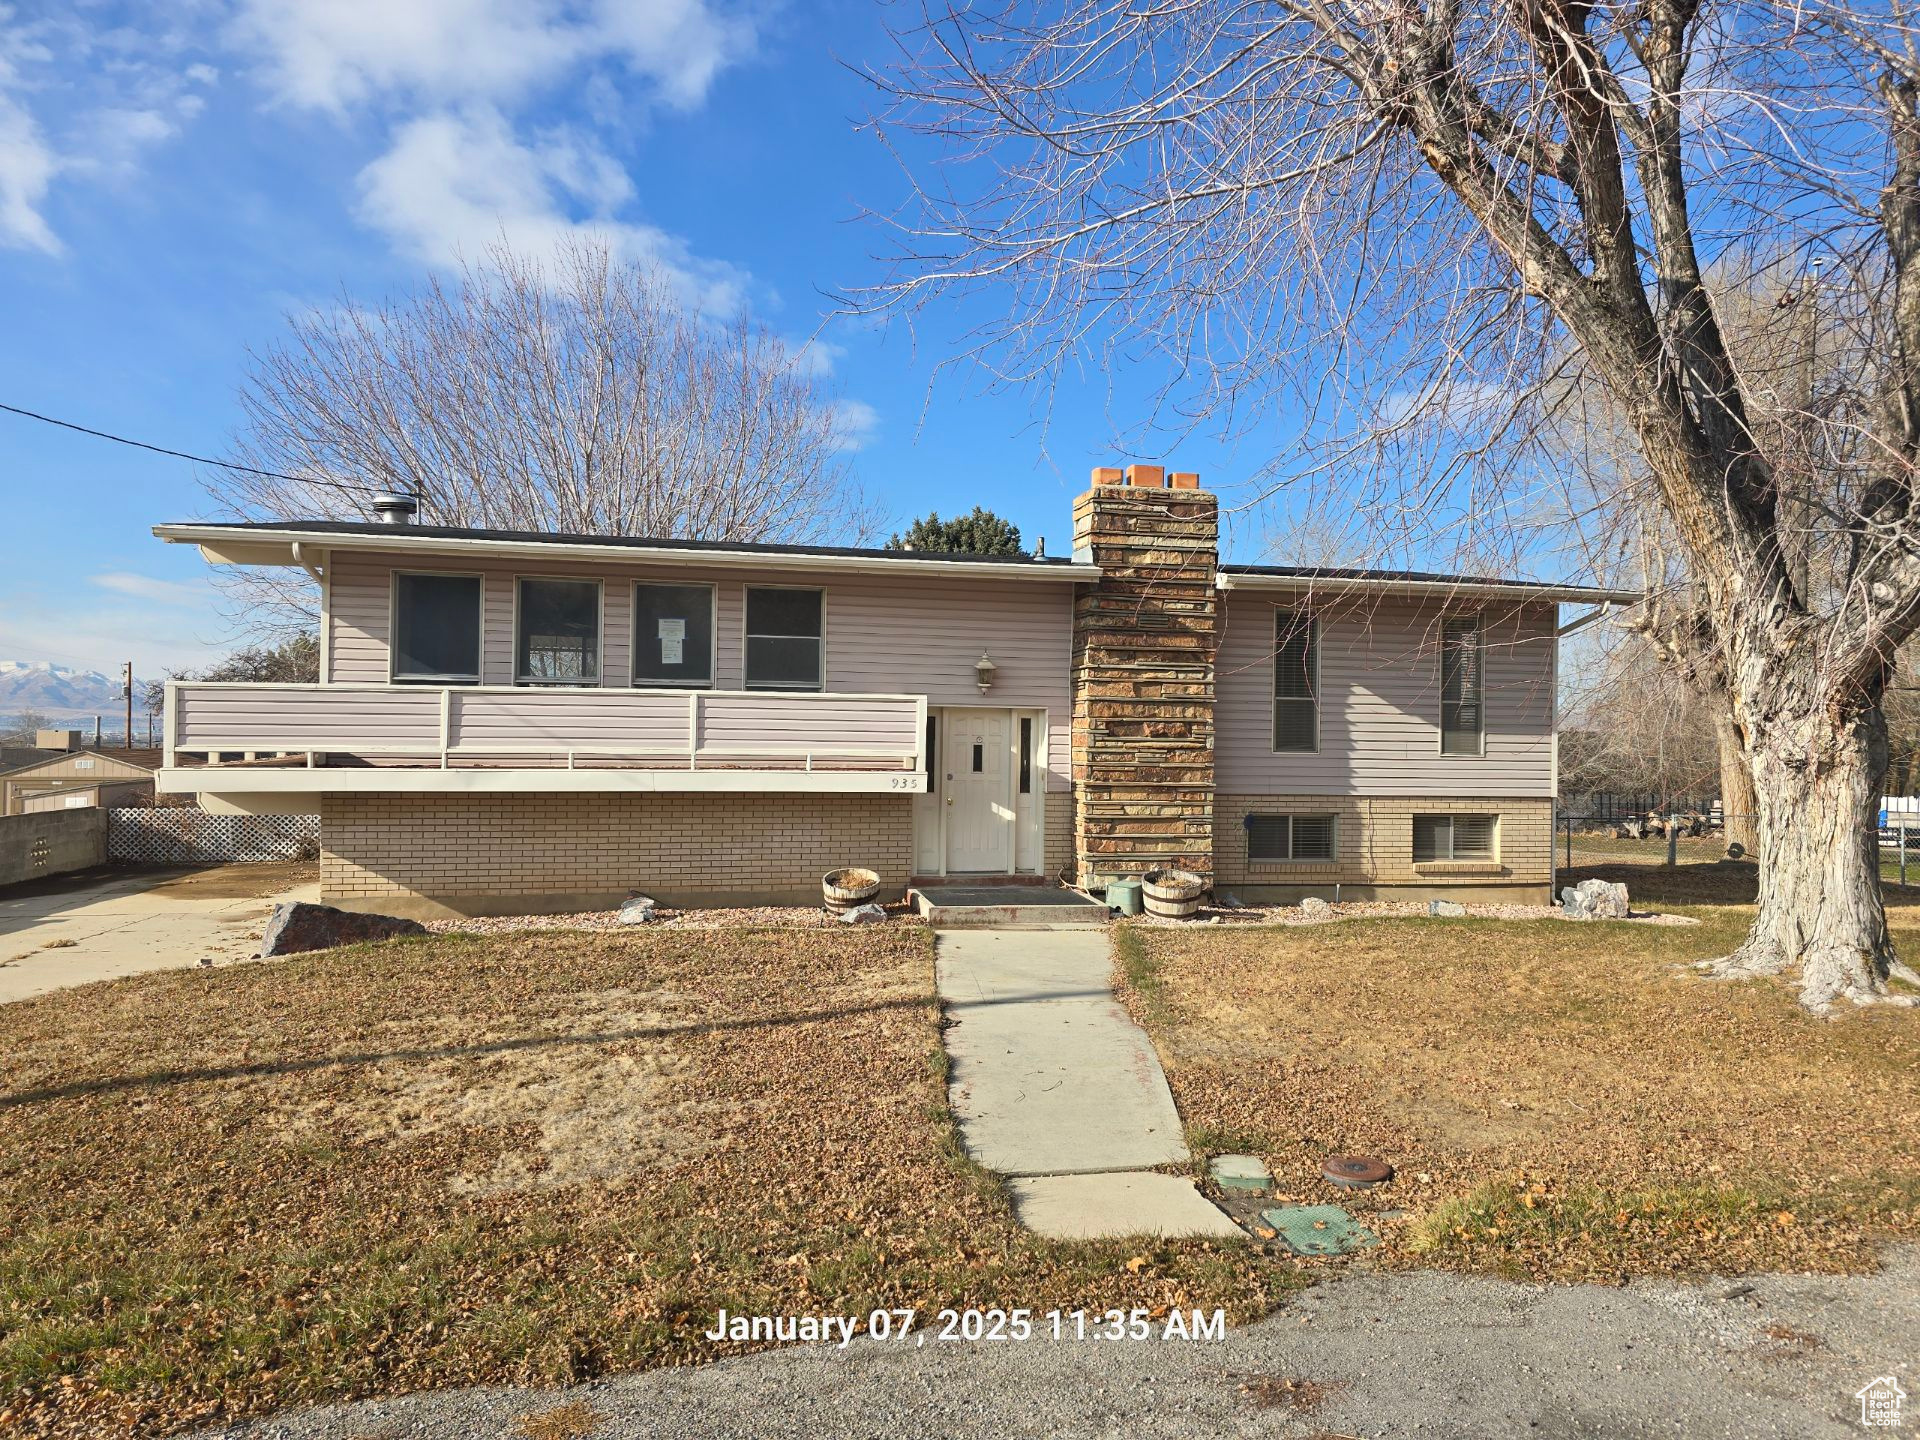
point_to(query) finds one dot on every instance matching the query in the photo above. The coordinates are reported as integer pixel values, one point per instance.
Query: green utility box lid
(1319, 1229)
(1124, 896)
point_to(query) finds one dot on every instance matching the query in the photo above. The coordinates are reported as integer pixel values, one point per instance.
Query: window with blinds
(1290, 837)
(1462, 722)
(1454, 837)
(1296, 682)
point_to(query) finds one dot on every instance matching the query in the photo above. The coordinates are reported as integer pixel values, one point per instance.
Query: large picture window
(784, 639)
(1462, 718)
(436, 628)
(559, 633)
(1296, 682)
(673, 635)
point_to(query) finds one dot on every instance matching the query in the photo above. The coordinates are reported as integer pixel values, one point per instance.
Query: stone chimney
(1145, 637)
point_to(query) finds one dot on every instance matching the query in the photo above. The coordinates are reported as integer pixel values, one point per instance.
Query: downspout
(300, 559)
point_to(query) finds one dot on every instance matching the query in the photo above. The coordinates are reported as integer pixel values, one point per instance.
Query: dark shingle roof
(634, 542)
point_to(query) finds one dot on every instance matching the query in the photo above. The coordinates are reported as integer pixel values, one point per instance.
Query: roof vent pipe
(393, 507)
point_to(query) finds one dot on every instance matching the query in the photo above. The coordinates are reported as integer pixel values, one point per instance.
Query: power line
(183, 455)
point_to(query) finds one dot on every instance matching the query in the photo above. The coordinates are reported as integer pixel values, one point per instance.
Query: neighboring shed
(104, 778)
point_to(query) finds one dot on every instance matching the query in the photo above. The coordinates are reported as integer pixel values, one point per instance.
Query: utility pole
(127, 691)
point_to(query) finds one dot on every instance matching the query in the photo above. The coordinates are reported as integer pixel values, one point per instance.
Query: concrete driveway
(101, 924)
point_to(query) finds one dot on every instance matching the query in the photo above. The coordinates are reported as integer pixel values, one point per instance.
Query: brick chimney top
(1147, 477)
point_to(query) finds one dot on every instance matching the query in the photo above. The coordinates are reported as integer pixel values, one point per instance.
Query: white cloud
(146, 587)
(336, 55)
(454, 182)
(26, 169)
(76, 100)
(854, 423)
(105, 637)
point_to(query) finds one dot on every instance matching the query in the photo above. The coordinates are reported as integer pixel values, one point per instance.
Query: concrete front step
(950, 906)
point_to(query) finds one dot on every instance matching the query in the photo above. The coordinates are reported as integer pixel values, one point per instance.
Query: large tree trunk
(1818, 787)
(1739, 804)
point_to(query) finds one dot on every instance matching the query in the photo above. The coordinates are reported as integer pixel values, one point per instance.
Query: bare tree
(583, 396)
(1403, 217)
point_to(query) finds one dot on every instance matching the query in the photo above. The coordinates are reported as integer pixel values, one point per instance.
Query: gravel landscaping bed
(1381, 910)
(758, 917)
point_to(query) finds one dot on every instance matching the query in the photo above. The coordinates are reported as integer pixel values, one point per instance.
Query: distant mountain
(57, 690)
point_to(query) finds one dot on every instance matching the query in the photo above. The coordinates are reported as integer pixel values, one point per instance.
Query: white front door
(976, 768)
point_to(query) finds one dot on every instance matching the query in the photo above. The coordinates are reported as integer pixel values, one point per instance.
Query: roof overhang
(1438, 589)
(238, 545)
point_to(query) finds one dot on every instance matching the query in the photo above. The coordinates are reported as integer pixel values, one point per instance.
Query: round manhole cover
(1355, 1172)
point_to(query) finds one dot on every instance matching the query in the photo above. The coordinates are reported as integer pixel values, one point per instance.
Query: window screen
(559, 632)
(1296, 682)
(1461, 720)
(673, 635)
(784, 639)
(1290, 837)
(436, 625)
(1453, 837)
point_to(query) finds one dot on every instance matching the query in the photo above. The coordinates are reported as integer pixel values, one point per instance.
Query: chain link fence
(187, 835)
(1677, 840)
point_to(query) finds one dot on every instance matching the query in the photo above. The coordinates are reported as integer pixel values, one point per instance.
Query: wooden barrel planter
(1174, 894)
(843, 890)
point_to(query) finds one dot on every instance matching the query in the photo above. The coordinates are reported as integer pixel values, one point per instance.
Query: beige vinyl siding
(246, 718)
(911, 635)
(1379, 671)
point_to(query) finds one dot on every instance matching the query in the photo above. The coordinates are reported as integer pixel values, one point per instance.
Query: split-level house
(510, 721)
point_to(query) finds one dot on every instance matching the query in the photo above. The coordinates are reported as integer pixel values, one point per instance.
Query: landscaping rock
(1445, 907)
(637, 911)
(1595, 900)
(1315, 908)
(297, 927)
(863, 915)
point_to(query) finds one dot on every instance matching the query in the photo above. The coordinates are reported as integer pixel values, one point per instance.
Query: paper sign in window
(673, 640)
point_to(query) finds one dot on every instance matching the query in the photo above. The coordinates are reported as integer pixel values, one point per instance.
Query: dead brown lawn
(1557, 1099)
(529, 1158)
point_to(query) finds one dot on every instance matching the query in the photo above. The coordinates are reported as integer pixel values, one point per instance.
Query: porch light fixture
(983, 669)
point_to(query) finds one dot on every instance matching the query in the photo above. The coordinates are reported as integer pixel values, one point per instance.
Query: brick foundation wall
(1374, 846)
(505, 854)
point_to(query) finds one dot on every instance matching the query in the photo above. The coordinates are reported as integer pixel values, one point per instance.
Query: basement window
(436, 628)
(1454, 837)
(785, 639)
(558, 632)
(1290, 837)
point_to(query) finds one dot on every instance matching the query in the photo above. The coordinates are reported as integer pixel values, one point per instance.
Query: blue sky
(175, 179)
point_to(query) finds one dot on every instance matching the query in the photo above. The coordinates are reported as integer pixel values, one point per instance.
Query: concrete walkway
(1055, 1086)
(125, 922)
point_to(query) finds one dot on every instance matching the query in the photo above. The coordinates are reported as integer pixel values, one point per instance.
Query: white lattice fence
(189, 836)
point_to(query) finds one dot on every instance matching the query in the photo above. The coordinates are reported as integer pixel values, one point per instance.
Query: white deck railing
(579, 727)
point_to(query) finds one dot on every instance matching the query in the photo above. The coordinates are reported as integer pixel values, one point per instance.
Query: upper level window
(1462, 718)
(673, 635)
(436, 628)
(784, 639)
(558, 639)
(1454, 837)
(1296, 682)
